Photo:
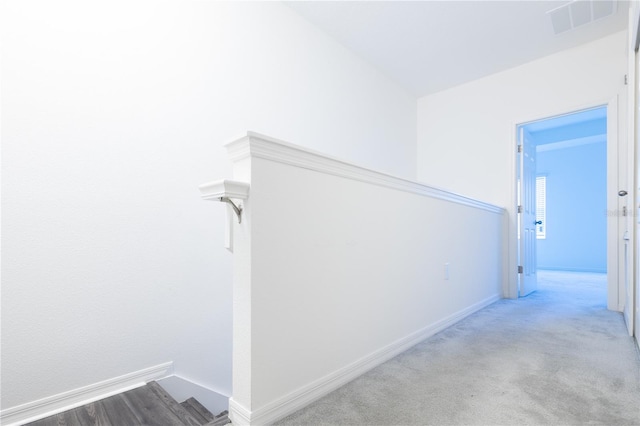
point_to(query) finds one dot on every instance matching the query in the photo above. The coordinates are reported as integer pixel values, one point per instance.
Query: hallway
(556, 357)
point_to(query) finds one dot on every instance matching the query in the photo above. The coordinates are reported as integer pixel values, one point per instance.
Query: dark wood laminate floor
(148, 405)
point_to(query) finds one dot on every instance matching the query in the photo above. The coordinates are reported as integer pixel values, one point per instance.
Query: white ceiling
(428, 46)
(569, 130)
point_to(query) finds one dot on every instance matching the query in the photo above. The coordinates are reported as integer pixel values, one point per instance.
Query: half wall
(338, 268)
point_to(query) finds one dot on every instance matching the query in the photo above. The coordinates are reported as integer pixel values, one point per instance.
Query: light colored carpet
(556, 357)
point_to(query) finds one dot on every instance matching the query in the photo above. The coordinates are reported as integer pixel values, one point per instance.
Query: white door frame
(634, 133)
(615, 287)
(632, 307)
(618, 249)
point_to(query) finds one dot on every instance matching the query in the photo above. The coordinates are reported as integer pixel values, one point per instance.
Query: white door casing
(635, 134)
(631, 252)
(625, 223)
(616, 227)
(617, 168)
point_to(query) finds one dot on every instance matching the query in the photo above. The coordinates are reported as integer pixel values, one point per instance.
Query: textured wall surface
(466, 135)
(113, 114)
(338, 267)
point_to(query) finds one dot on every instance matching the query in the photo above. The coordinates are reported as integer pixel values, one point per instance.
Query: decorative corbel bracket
(237, 209)
(224, 190)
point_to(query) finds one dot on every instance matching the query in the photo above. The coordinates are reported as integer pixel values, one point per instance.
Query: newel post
(235, 194)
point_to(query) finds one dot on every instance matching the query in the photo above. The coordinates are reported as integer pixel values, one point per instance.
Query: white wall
(113, 114)
(466, 135)
(338, 269)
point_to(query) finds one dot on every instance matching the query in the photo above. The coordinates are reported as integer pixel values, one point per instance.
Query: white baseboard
(54, 404)
(181, 388)
(305, 395)
(239, 415)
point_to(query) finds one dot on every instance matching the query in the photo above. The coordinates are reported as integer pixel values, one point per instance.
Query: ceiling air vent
(580, 12)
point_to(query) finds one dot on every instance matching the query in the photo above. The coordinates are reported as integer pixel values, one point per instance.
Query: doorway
(567, 219)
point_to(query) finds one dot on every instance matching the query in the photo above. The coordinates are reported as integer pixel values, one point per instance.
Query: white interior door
(527, 268)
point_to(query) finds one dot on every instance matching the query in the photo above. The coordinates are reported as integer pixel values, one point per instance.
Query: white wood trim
(268, 148)
(296, 400)
(238, 414)
(224, 188)
(632, 173)
(612, 169)
(54, 404)
(614, 220)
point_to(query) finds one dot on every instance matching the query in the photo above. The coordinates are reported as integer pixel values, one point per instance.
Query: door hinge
(626, 79)
(519, 209)
(520, 269)
(519, 149)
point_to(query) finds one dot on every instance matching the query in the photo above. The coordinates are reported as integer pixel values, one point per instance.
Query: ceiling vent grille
(580, 12)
